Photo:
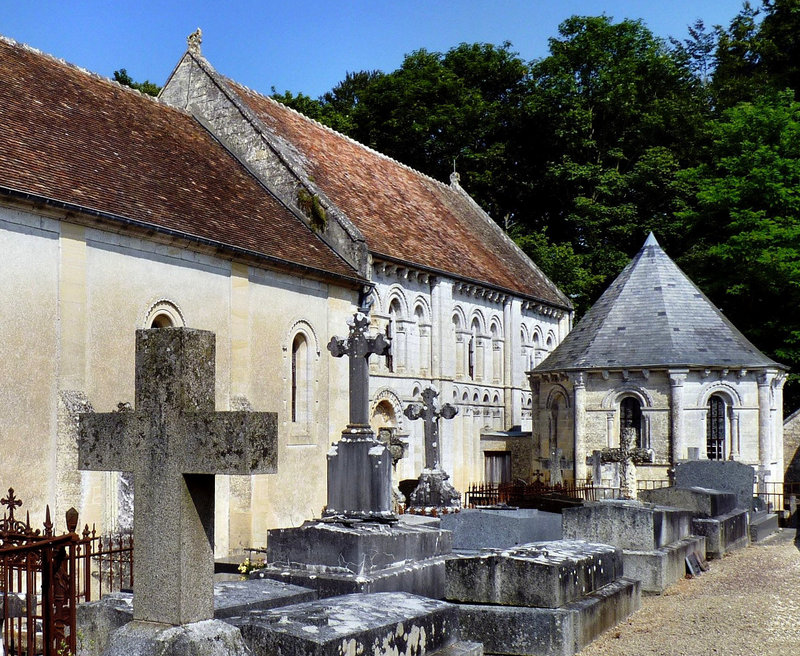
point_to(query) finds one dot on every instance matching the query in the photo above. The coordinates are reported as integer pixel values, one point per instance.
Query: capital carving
(194, 40)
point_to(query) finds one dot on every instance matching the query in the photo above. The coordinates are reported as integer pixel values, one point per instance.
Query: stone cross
(433, 487)
(358, 346)
(555, 466)
(626, 455)
(174, 443)
(359, 466)
(430, 415)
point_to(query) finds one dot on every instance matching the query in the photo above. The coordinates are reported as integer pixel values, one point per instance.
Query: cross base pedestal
(434, 490)
(209, 637)
(359, 477)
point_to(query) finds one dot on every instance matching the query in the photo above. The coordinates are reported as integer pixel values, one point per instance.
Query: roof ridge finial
(651, 241)
(194, 40)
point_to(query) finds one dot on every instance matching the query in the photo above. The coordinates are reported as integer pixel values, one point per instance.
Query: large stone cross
(174, 442)
(359, 345)
(430, 415)
(626, 455)
(359, 466)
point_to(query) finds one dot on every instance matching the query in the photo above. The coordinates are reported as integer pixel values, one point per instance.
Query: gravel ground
(747, 604)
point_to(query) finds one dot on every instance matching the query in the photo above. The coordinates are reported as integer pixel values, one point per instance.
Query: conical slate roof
(653, 316)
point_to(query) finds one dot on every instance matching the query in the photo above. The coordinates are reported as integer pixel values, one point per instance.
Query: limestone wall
(791, 447)
(75, 296)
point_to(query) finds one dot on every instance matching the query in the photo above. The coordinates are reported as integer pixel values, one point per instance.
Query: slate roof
(653, 316)
(74, 138)
(403, 214)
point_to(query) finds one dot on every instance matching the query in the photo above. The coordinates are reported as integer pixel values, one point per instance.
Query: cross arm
(107, 441)
(230, 442)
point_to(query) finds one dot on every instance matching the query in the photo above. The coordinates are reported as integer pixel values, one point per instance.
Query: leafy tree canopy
(146, 87)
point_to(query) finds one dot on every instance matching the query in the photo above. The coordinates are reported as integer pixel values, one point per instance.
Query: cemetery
(640, 458)
(361, 577)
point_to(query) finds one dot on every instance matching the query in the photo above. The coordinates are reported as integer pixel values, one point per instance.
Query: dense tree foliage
(146, 87)
(615, 133)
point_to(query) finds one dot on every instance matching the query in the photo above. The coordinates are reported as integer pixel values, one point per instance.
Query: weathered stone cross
(174, 442)
(358, 346)
(430, 415)
(359, 466)
(554, 465)
(626, 455)
(433, 489)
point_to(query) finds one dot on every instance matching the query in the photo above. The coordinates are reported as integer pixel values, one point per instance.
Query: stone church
(217, 208)
(655, 355)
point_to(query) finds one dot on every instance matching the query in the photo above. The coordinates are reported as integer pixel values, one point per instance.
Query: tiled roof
(402, 213)
(79, 139)
(652, 315)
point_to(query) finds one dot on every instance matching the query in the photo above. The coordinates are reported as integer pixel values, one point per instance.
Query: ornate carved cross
(12, 502)
(626, 455)
(358, 346)
(174, 442)
(427, 411)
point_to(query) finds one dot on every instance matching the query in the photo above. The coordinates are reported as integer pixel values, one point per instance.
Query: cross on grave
(555, 466)
(174, 443)
(12, 502)
(430, 415)
(626, 455)
(359, 466)
(433, 489)
(358, 346)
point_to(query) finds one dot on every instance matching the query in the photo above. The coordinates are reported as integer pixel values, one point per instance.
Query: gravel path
(747, 604)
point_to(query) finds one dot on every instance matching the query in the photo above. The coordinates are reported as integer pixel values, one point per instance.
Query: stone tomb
(714, 516)
(734, 477)
(655, 540)
(490, 528)
(351, 625)
(543, 598)
(174, 442)
(99, 619)
(359, 545)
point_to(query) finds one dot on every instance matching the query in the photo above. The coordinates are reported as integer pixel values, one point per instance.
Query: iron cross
(428, 412)
(358, 346)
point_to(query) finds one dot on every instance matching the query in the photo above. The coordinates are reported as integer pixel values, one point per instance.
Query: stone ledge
(562, 631)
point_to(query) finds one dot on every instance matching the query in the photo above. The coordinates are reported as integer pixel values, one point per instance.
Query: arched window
(300, 379)
(630, 416)
(162, 320)
(715, 428)
(473, 369)
(393, 359)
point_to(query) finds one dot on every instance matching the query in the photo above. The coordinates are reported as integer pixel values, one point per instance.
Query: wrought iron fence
(44, 576)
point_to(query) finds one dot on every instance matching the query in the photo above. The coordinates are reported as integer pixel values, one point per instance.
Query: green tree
(620, 113)
(744, 225)
(146, 87)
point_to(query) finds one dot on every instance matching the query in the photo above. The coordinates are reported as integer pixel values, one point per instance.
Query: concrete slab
(627, 524)
(723, 533)
(360, 547)
(550, 631)
(542, 574)
(703, 502)
(385, 623)
(762, 525)
(476, 529)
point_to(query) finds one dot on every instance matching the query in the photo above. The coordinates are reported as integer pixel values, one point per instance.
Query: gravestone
(359, 466)
(554, 465)
(627, 456)
(433, 488)
(174, 443)
(725, 475)
(543, 598)
(359, 545)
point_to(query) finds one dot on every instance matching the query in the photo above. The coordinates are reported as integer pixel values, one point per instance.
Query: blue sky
(308, 45)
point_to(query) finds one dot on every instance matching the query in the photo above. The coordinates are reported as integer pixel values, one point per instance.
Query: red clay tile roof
(402, 213)
(79, 139)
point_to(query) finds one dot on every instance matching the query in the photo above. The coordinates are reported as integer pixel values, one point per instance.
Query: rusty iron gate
(43, 578)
